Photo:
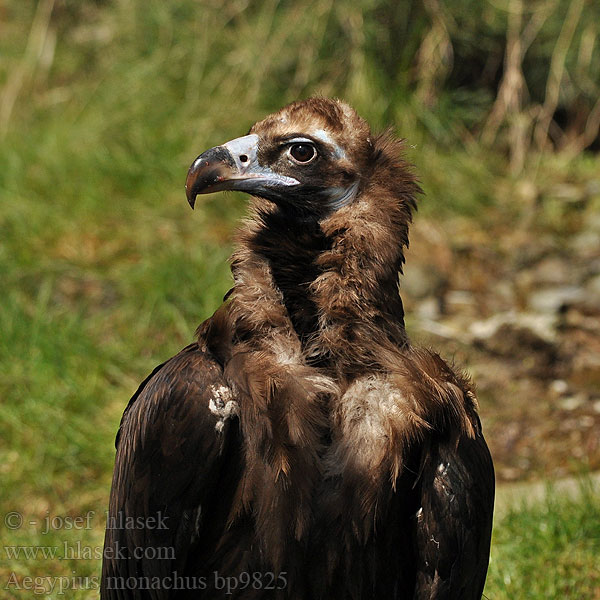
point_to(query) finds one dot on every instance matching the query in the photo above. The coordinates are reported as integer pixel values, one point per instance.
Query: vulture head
(310, 158)
(331, 207)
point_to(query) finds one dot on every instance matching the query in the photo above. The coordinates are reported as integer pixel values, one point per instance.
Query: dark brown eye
(302, 153)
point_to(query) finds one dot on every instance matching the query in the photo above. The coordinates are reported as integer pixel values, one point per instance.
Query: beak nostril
(243, 158)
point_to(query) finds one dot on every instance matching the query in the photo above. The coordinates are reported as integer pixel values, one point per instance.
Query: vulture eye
(302, 153)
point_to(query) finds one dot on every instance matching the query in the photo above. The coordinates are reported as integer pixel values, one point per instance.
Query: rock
(460, 301)
(503, 293)
(428, 308)
(420, 281)
(530, 348)
(544, 326)
(586, 244)
(559, 387)
(553, 300)
(573, 402)
(553, 270)
(592, 292)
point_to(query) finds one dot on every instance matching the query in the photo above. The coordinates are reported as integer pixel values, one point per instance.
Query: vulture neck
(332, 284)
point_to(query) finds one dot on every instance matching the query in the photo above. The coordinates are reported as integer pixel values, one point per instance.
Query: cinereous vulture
(301, 448)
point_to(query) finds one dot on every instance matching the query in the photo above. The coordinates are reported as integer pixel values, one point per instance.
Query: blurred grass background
(104, 271)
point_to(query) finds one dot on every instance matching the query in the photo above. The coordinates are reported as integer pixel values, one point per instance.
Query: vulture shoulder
(175, 436)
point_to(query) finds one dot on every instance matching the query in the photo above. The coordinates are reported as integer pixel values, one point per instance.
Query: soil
(521, 314)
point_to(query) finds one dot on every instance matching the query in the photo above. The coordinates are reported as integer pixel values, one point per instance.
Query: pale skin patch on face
(340, 197)
(323, 136)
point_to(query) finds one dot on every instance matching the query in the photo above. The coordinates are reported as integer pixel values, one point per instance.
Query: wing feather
(454, 520)
(171, 444)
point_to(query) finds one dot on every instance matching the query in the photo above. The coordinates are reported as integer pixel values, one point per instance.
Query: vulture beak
(233, 166)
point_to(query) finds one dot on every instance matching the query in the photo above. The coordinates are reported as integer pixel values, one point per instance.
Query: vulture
(301, 448)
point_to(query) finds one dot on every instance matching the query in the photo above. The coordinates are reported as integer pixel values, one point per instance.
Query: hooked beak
(233, 166)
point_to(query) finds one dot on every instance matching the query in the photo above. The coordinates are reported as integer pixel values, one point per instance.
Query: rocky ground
(518, 305)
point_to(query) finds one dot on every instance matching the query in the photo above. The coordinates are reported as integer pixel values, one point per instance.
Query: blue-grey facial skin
(239, 165)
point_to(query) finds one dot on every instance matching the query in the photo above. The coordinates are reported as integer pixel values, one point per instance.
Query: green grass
(105, 271)
(548, 551)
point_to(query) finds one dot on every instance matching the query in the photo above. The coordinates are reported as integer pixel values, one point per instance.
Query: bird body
(302, 448)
